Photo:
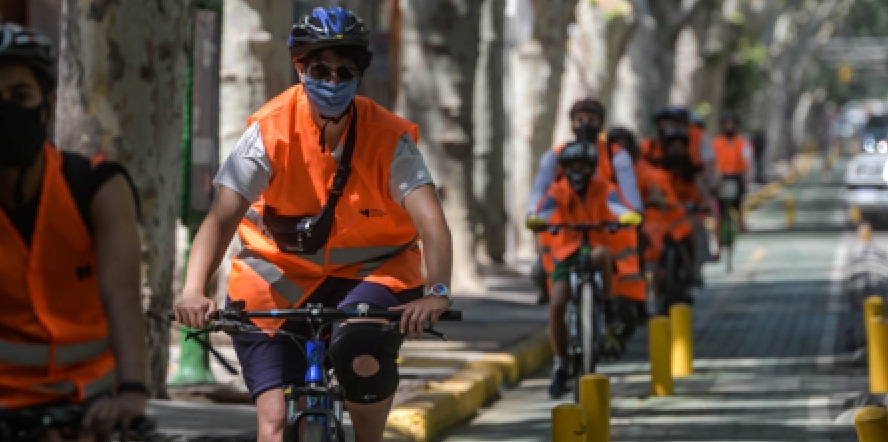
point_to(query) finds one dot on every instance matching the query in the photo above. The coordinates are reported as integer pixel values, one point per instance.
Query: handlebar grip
(451, 315)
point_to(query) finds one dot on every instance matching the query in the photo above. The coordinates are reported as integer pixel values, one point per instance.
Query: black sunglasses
(321, 71)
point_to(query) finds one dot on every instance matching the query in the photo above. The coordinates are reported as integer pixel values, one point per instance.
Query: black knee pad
(353, 339)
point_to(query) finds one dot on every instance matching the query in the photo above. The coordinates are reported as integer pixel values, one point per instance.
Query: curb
(454, 400)
(802, 165)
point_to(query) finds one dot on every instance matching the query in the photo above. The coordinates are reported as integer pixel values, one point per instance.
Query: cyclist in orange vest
(664, 215)
(72, 328)
(304, 244)
(581, 195)
(734, 156)
(587, 117)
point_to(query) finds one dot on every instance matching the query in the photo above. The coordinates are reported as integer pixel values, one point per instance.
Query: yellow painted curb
(457, 398)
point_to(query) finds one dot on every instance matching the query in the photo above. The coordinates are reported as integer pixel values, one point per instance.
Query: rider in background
(587, 118)
(278, 184)
(72, 328)
(734, 156)
(582, 195)
(664, 216)
(688, 180)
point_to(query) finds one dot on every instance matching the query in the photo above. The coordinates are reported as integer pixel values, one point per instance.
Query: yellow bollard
(660, 349)
(682, 340)
(864, 232)
(878, 356)
(872, 424)
(790, 210)
(568, 423)
(595, 399)
(873, 314)
(854, 214)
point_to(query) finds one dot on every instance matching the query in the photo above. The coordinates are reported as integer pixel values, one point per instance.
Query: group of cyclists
(330, 198)
(666, 185)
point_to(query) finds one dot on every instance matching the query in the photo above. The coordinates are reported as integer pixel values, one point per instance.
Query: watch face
(439, 290)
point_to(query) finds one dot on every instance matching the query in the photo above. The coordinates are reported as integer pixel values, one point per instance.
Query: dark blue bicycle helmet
(578, 152)
(26, 46)
(330, 28)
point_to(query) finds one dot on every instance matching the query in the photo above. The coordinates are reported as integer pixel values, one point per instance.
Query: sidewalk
(500, 341)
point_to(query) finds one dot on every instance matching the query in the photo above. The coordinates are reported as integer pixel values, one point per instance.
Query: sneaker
(559, 384)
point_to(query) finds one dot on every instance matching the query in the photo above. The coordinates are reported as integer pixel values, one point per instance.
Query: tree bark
(537, 65)
(440, 56)
(489, 180)
(121, 82)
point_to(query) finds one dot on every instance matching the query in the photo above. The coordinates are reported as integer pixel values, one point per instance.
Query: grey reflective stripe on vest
(38, 354)
(625, 253)
(100, 385)
(272, 275)
(368, 255)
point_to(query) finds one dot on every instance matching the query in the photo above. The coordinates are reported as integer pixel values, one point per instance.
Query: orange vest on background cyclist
(266, 277)
(54, 341)
(564, 205)
(729, 154)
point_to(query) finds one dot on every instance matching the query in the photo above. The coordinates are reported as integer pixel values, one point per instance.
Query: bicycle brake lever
(435, 333)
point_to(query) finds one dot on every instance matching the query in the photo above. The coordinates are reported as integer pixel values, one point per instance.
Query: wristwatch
(440, 290)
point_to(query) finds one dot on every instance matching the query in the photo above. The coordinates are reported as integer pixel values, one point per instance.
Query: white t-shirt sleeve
(247, 170)
(408, 170)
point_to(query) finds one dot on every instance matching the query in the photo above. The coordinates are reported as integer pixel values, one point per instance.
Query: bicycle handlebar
(610, 226)
(322, 314)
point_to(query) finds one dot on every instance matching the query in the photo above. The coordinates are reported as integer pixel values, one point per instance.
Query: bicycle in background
(319, 417)
(587, 311)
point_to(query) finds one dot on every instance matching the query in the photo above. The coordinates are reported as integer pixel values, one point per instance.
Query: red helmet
(587, 104)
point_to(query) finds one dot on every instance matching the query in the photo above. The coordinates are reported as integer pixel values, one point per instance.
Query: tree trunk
(537, 65)
(121, 82)
(440, 56)
(490, 133)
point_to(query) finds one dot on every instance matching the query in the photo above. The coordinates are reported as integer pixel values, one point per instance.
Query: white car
(866, 183)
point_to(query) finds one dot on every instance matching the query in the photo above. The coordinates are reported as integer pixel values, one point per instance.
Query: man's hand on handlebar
(194, 310)
(118, 411)
(420, 314)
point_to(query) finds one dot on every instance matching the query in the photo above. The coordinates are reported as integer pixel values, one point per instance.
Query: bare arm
(427, 215)
(425, 210)
(207, 251)
(118, 253)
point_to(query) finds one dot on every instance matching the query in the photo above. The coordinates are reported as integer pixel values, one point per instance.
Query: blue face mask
(330, 99)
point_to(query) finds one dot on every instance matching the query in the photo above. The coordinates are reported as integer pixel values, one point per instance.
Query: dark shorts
(272, 362)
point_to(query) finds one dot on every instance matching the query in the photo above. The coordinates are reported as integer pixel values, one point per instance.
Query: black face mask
(22, 133)
(587, 132)
(578, 180)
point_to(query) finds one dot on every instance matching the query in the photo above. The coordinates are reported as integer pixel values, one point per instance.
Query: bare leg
(557, 306)
(270, 416)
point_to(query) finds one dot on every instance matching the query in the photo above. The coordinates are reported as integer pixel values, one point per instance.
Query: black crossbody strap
(343, 170)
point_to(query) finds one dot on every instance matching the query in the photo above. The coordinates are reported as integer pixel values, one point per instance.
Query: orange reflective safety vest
(372, 239)
(605, 169)
(53, 331)
(663, 212)
(652, 148)
(729, 154)
(623, 244)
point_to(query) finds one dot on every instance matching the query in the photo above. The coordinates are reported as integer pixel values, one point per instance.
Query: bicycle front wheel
(314, 431)
(587, 331)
